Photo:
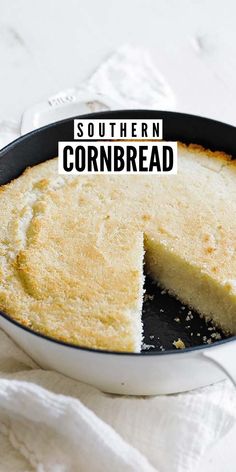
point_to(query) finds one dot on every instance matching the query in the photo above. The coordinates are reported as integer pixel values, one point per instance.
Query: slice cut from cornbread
(72, 248)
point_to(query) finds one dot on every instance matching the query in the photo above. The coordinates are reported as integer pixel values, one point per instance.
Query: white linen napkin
(50, 423)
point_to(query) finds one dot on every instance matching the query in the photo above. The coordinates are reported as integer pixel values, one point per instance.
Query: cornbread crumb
(179, 344)
(147, 346)
(216, 336)
(148, 297)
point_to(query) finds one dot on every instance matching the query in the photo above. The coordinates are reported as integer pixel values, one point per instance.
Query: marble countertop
(50, 45)
(54, 44)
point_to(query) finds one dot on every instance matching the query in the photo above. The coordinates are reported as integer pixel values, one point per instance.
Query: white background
(49, 45)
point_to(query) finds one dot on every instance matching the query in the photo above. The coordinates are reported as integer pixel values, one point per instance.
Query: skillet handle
(225, 358)
(65, 105)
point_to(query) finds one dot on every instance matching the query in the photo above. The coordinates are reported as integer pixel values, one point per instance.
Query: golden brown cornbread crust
(71, 248)
(197, 148)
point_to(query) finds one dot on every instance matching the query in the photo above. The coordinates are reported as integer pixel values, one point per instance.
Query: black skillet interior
(165, 319)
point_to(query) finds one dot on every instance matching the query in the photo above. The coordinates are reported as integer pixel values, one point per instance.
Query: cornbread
(179, 344)
(72, 248)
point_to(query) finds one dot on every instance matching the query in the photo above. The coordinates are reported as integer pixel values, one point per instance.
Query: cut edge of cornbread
(196, 289)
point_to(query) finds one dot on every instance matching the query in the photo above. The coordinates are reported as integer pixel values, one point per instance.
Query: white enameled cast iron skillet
(153, 371)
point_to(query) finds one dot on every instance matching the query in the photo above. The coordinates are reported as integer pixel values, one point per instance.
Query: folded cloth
(50, 423)
(128, 79)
